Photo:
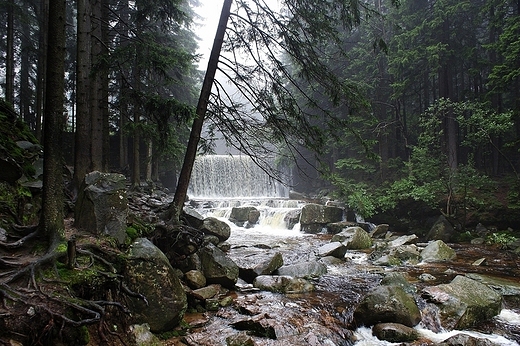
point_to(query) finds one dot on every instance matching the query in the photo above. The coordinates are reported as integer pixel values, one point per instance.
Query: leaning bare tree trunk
(202, 106)
(52, 202)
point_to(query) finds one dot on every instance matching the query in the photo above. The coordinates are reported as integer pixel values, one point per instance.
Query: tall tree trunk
(104, 85)
(42, 66)
(96, 90)
(123, 139)
(149, 160)
(445, 91)
(82, 144)
(54, 121)
(26, 92)
(181, 192)
(9, 63)
(124, 92)
(136, 162)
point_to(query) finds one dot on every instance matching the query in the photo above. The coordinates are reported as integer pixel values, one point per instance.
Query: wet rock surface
(264, 309)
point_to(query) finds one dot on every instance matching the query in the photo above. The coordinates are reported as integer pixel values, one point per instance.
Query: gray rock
(441, 230)
(335, 249)
(406, 253)
(291, 218)
(142, 336)
(241, 215)
(303, 269)
(282, 284)
(354, 238)
(402, 240)
(217, 267)
(216, 227)
(394, 332)
(313, 228)
(240, 339)
(207, 292)
(437, 251)
(509, 288)
(253, 217)
(316, 213)
(398, 279)
(380, 231)
(464, 302)
(337, 227)
(102, 206)
(466, 340)
(425, 277)
(387, 304)
(149, 272)
(194, 218)
(192, 262)
(195, 279)
(259, 264)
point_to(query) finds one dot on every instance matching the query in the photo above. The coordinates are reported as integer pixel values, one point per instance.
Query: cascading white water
(227, 176)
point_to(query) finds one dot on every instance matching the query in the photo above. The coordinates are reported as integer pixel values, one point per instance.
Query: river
(324, 317)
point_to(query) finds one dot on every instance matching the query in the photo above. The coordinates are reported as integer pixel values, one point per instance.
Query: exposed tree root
(20, 242)
(33, 285)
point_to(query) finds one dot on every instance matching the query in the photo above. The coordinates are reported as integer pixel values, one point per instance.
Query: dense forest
(406, 100)
(399, 109)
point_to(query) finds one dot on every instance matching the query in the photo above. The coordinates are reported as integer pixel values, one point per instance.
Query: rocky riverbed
(296, 288)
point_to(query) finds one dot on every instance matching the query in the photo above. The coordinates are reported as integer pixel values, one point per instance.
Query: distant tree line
(442, 123)
(130, 71)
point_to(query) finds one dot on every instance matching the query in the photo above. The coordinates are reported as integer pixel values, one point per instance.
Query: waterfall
(226, 176)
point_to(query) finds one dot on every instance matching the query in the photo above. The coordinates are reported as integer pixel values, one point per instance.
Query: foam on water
(508, 316)
(364, 335)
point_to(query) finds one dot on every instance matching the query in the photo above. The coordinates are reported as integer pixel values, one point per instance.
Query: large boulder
(148, 272)
(217, 267)
(242, 215)
(102, 205)
(192, 216)
(258, 264)
(334, 249)
(386, 304)
(394, 332)
(467, 340)
(215, 227)
(441, 230)
(464, 302)
(315, 217)
(437, 251)
(303, 269)
(354, 238)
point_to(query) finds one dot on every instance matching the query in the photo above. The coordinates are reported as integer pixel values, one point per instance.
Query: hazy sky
(209, 10)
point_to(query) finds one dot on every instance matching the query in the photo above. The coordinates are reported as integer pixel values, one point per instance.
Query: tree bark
(9, 63)
(42, 66)
(26, 92)
(181, 192)
(82, 137)
(149, 157)
(104, 72)
(52, 200)
(96, 91)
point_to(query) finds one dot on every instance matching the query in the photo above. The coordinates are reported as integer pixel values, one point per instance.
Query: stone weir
(227, 176)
